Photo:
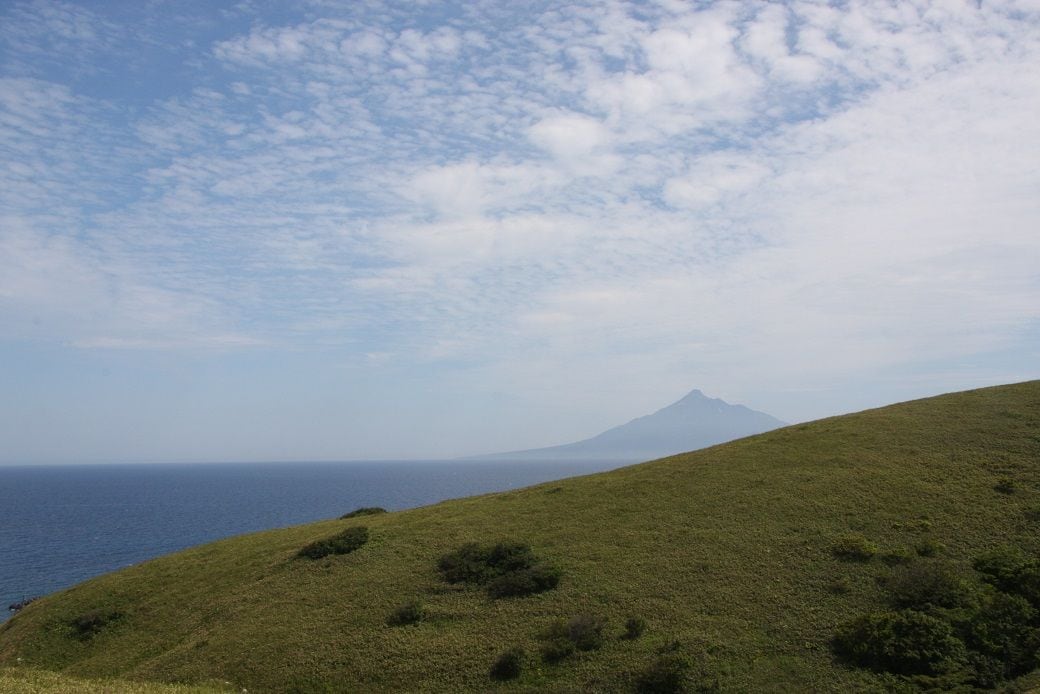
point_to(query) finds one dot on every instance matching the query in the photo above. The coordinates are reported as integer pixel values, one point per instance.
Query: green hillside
(743, 560)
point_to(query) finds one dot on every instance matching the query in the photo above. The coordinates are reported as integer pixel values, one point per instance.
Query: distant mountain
(696, 421)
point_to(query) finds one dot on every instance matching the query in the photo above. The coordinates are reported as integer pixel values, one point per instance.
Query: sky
(327, 230)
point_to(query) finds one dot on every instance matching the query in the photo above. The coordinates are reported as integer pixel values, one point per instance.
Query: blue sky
(240, 231)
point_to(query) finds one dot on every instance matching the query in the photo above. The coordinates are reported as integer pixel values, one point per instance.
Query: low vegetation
(22, 680)
(903, 642)
(928, 547)
(506, 569)
(864, 553)
(88, 625)
(951, 626)
(674, 671)
(582, 632)
(634, 628)
(667, 674)
(854, 548)
(344, 542)
(508, 665)
(363, 511)
(411, 612)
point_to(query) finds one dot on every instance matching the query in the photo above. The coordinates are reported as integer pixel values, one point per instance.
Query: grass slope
(725, 550)
(32, 681)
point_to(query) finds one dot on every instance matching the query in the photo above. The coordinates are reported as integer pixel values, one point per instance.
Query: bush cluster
(944, 622)
(411, 612)
(674, 672)
(904, 642)
(1004, 635)
(928, 586)
(363, 511)
(508, 665)
(473, 563)
(341, 543)
(556, 649)
(1010, 570)
(583, 632)
(536, 579)
(506, 569)
(87, 626)
(667, 674)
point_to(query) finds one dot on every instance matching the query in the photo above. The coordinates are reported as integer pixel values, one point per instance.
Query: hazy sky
(329, 230)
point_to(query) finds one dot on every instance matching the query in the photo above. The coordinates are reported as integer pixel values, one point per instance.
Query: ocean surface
(60, 525)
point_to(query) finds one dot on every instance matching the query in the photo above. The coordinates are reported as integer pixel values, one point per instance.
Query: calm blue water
(60, 525)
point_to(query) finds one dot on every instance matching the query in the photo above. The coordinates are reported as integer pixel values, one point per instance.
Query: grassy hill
(731, 555)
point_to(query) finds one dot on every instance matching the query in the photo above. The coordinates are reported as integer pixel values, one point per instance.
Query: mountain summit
(695, 421)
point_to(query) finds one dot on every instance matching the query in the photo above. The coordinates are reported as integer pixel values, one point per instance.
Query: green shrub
(929, 547)
(586, 631)
(508, 665)
(952, 632)
(536, 579)
(583, 632)
(508, 569)
(897, 557)
(342, 543)
(668, 674)
(1012, 571)
(931, 585)
(672, 671)
(558, 644)
(985, 671)
(906, 642)
(854, 548)
(472, 563)
(363, 511)
(467, 564)
(556, 649)
(411, 612)
(510, 556)
(1005, 631)
(634, 628)
(88, 625)
(1028, 585)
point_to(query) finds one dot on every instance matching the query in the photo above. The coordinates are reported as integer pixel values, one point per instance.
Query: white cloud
(693, 77)
(52, 287)
(714, 176)
(766, 40)
(743, 197)
(579, 143)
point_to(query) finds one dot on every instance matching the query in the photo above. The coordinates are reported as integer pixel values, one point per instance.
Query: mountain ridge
(693, 422)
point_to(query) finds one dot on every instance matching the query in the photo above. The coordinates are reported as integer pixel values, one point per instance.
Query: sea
(63, 524)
